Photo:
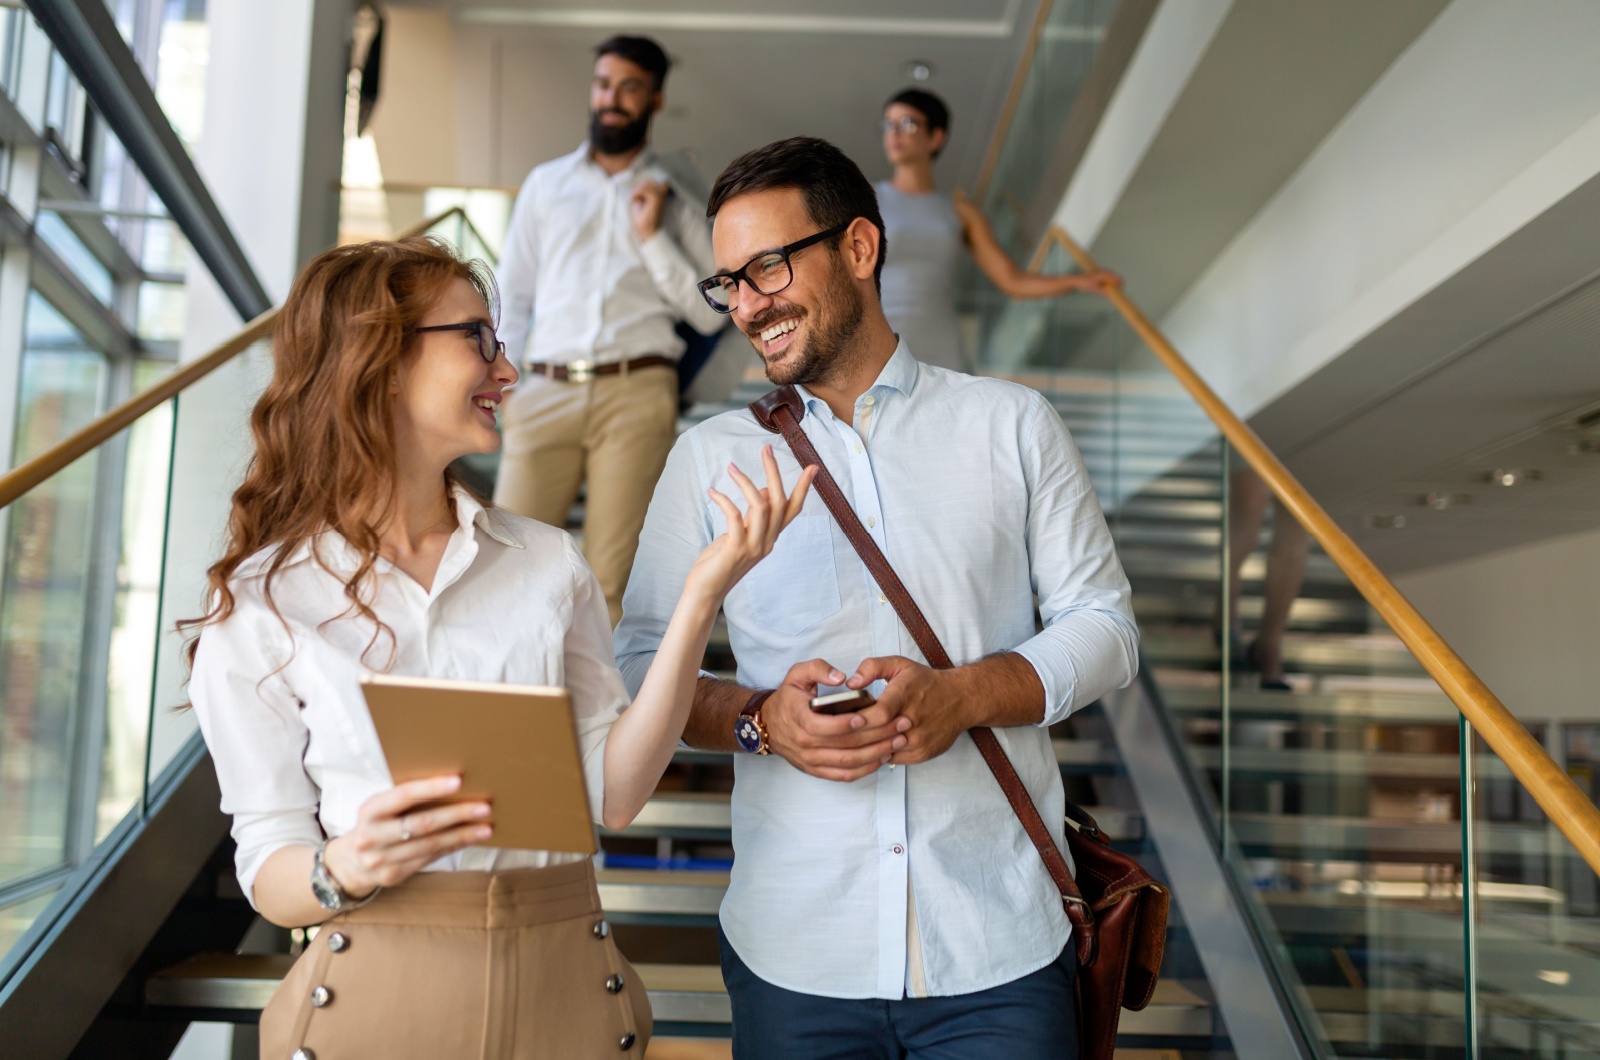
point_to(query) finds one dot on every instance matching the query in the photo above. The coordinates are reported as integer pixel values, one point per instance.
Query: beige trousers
(615, 431)
(485, 965)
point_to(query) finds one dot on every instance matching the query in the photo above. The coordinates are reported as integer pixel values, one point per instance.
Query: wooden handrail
(1552, 788)
(24, 477)
(1019, 81)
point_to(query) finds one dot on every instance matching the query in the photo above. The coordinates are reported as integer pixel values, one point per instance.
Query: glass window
(45, 597)
(80, 259)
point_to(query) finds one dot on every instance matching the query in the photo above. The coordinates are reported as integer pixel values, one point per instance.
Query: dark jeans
(1032, 1018)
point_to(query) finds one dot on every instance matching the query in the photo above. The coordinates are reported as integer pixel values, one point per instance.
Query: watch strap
(323, 880)
(752, 710)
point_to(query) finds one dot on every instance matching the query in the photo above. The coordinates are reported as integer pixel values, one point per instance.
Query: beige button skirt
(492, 965)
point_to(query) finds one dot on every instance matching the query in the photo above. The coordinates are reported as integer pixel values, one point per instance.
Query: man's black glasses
(489, 345)
(766, 273)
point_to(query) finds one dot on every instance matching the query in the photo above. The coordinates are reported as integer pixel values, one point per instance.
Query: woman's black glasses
(766, 273)
(489, 345)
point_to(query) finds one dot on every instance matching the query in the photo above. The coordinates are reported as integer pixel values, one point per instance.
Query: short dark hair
(930, 106)
(642, 52)
(833, 187)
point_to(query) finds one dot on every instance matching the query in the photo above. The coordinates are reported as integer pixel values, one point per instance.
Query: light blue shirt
(916, 880)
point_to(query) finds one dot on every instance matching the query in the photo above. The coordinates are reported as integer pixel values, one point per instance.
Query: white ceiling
(743, 75)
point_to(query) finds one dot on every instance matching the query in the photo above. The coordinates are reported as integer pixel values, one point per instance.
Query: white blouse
(279, 700)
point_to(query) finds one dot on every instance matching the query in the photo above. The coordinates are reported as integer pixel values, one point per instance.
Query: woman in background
(351, 548)
(927, 231)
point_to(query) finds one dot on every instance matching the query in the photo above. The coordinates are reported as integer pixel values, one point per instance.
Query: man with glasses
(601, 257)
(884, 900)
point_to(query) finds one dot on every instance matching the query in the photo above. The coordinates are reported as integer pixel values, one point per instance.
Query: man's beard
(827, 353)
(617, 139)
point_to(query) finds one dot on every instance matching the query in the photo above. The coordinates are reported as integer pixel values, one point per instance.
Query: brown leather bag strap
(780, 412)
(777, 413)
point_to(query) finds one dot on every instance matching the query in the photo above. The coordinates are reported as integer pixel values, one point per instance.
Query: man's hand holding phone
(845, 746)
(842, 702)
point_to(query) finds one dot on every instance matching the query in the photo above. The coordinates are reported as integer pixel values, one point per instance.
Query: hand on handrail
(1099, 281)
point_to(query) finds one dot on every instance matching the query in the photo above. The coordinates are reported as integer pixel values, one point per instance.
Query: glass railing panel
(136, 612)
(1062, 57)
(211, 445)
(1536, 911)
(1333, 784)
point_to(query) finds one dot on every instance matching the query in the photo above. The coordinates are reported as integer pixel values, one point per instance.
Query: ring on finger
(405, 831)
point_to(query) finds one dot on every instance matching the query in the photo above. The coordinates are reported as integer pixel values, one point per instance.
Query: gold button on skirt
(493, 965)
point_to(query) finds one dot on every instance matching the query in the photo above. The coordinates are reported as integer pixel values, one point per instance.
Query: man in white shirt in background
(601, 257)
(885, 900)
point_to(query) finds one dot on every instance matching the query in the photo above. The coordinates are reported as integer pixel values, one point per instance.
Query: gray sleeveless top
(919, 276)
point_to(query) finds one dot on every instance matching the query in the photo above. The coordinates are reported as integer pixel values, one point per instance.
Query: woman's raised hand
(395, 838)
(750, 536)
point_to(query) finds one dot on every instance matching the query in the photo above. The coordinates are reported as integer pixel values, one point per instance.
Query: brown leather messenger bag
(1119, 914)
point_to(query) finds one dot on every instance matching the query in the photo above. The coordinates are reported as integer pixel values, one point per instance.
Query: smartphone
(842, 702)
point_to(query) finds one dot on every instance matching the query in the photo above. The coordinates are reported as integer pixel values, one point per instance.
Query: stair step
(1302, 652)
(1317, 837)
(1305, 707)
(228, 987)
(1296, 763)
(690, 815)
(1074, 756)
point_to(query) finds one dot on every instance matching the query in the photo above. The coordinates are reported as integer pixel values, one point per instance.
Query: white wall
(1173, 45)
(1525, 619)
(1488, 119)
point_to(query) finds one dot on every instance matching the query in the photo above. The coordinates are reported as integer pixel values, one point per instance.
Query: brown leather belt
(583, 371)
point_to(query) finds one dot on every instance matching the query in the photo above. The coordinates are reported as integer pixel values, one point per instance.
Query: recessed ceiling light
(1555, 978)
(1386, 522)
(919, 69)
(1512, 476)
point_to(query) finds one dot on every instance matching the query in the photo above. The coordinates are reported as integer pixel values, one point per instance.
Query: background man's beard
(827, 351)
(617, 139)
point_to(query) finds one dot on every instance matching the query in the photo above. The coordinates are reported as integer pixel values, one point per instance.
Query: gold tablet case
(513, 745)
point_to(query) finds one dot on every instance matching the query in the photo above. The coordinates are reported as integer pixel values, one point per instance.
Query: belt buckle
(580, 371)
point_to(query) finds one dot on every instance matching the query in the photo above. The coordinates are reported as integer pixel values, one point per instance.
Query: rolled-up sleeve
(676, 530)
(257, 736)
(678, 257)
(593, 681)
(1090, 643)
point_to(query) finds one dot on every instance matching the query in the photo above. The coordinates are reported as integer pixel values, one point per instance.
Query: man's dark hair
(928, 104)
(834, 190)
(642, 52)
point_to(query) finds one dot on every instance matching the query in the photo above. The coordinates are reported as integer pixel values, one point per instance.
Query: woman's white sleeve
(253, 726)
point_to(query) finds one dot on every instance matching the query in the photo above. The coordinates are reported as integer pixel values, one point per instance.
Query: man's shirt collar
(899, 374)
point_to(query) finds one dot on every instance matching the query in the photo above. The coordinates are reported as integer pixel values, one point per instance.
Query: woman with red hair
(352, 548)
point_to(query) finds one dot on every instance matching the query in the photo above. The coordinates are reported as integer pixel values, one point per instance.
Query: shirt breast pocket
(796, 586)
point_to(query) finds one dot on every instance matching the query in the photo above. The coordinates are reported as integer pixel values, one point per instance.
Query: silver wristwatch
(329, 894)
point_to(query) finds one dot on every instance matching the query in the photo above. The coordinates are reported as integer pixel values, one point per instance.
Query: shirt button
(883, 598)
(872, 520)
(858, 447)
(869, 400)
(898, 849)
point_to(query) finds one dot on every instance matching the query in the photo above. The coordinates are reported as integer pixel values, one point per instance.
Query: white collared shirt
(593, 290)
(914, 880)
(282, 710)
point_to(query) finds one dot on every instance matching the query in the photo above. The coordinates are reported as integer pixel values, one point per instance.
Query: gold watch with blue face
(749, 731)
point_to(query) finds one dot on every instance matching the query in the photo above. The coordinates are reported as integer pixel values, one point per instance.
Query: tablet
(515, 746)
